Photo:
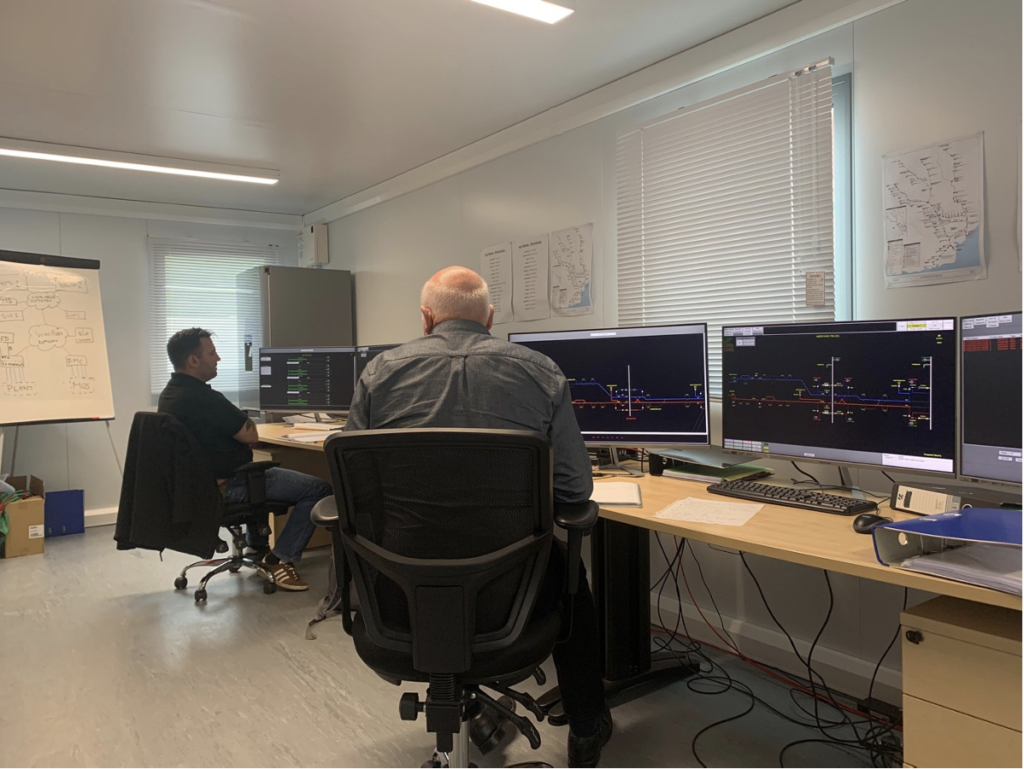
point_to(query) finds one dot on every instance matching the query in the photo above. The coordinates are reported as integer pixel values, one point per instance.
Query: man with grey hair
(458, 375)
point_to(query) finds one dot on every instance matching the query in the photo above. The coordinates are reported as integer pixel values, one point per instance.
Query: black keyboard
(793, 497)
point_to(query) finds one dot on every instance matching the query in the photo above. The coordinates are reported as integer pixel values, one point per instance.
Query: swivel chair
(170, 499)
(447, 534)
(251, 512)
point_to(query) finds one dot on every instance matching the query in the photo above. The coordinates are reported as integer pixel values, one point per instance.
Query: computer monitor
(878, 393)
(990, 397)
(633, 386)
(296, 379)
(366, 353)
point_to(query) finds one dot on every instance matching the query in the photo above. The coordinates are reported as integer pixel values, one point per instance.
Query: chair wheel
(269, 588)
(180, 583)
(234, 569)
(200, 595)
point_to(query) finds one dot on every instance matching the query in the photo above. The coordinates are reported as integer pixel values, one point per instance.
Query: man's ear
(428, 319)
(490, 318)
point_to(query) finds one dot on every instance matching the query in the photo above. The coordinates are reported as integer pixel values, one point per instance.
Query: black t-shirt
(209, 416)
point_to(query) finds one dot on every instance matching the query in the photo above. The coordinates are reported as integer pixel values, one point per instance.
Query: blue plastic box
(64, 512)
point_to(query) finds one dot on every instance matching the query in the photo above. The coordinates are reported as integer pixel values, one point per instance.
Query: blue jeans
(302, 492)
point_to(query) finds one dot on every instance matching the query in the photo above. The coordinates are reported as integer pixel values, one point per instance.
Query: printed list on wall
(537, 277)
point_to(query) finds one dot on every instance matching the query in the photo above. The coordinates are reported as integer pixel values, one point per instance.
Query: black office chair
(447, 534)
(170, 499)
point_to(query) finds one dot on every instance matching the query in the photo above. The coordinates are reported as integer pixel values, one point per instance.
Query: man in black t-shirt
(226, 434)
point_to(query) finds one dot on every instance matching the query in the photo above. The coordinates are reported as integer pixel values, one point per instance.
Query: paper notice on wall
(530, 278)
(496, 269)
(814, 289)
(572, 254)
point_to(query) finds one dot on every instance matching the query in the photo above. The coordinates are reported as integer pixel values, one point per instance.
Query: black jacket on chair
(169, 498)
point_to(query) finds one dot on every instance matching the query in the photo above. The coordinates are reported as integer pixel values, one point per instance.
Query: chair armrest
(581, 516)
(255, 475)
(578, 519)
(325, 512)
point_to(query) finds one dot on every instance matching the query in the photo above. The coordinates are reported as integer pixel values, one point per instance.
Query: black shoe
(586, 751)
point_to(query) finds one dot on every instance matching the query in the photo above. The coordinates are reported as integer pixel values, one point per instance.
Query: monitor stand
(615, 464)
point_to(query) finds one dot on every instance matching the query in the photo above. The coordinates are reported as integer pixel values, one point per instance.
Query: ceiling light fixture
(17, 148)
(541, 10)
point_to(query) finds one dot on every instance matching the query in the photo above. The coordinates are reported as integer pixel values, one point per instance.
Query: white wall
(923, 70)
(80, 455)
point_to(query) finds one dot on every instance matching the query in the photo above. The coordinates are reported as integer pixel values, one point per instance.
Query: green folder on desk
(707, 474)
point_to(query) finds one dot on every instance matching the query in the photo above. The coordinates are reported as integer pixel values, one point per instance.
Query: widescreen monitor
(990, 397)
(633, 386)
(877, 393)
(296, 379)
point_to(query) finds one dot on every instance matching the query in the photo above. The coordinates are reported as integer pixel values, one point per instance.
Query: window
(723, 208)
(194, 284)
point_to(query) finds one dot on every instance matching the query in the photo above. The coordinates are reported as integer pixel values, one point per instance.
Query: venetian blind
(194, 284)
(723, 207)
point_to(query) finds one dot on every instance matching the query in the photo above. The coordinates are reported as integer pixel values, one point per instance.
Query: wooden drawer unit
(937, 736)
(961, 684)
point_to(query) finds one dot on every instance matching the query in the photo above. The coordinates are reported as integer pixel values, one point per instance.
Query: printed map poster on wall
(934, 213)
(496, 269)
(571, 254)
(530, 278)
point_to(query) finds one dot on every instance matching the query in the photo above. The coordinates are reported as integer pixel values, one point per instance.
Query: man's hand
(247, 434)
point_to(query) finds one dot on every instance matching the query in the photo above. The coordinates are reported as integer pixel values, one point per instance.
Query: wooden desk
(621, 565)
(273, 435)
(785, 533)
(795, 535)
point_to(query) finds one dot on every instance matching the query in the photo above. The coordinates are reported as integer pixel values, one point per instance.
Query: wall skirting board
(100, 516)
(842, 672)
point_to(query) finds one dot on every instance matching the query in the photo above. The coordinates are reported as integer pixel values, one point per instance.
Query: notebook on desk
(617, 494)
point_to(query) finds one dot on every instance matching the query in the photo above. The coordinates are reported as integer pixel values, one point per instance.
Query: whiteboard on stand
(53, 350)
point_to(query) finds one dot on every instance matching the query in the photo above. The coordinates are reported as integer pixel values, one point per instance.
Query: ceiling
(337, 95)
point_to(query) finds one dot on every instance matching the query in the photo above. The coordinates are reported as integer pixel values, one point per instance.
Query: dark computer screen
(990, 397)
(305, 378)
(633, 386)
(366, 353)
(863, 392)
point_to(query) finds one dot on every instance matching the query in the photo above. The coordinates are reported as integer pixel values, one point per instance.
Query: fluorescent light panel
(534, 9)
(33, 151)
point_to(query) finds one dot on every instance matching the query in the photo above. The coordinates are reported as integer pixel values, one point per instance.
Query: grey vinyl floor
(103, 663)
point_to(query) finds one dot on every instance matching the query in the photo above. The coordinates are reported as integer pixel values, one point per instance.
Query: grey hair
(450, 302)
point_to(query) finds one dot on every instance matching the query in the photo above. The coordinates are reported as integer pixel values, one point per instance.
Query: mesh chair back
(466, 509)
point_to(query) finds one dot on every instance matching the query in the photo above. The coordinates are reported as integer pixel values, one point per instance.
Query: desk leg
(620, 579)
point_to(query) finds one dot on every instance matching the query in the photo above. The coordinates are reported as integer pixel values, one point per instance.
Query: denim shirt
(461, 376)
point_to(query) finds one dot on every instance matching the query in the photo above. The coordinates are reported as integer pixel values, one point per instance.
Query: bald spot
(456, 293)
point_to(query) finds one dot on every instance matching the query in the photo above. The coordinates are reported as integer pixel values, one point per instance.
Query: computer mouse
(865, 522)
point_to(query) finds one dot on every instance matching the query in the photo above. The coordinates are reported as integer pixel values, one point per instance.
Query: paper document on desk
(617, 494)
(708, 511)
(311, 436)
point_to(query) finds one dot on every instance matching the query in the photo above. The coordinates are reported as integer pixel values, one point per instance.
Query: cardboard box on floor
(320, 537)
(26, 518)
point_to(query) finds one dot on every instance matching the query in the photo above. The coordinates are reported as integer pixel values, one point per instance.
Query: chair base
(232, 563)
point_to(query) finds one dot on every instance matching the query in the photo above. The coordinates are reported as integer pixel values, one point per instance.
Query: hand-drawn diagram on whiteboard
(53, 359)
(934, 213)
(571, 256)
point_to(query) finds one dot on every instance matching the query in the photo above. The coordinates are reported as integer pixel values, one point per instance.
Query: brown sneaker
(286, 577)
